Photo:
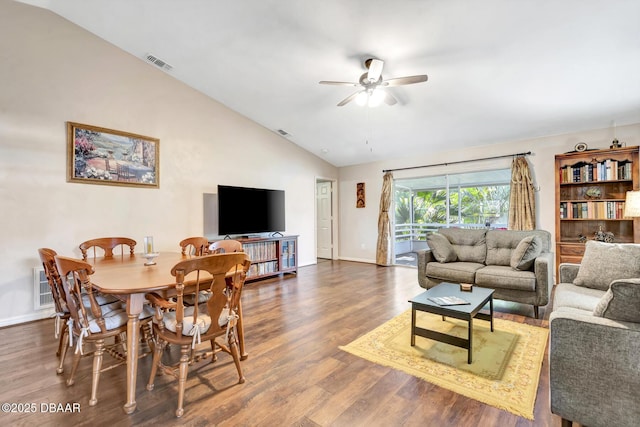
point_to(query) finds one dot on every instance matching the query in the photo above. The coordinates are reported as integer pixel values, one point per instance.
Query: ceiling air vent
(158, 62)
(283, 132)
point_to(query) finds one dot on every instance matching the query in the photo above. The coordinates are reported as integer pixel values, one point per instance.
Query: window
(470, 199)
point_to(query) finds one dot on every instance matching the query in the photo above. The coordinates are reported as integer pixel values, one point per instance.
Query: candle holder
(150, 258)
(149, 253)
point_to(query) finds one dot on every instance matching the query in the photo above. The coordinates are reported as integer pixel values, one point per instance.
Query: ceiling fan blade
(375, 70)
(349, 98)
(389, 99)
(409, 80)
(325, 82)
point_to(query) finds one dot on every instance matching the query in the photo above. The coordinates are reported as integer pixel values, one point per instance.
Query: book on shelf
(606, 170)
(452, 300)
(611, 209)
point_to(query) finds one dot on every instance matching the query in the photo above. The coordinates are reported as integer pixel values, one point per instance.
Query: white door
(324, 226)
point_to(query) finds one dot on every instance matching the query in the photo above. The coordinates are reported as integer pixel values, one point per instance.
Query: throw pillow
(603, 263)
(525, 254)
(620, 302)
(441, 248)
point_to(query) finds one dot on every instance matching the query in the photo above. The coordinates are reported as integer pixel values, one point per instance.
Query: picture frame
(97, 155)
(360, 196)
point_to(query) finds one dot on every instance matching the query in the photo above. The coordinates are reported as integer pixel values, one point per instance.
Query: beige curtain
(383, 249)
(522, 203)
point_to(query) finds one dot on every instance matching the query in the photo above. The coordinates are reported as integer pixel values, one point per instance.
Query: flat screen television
(243, 211)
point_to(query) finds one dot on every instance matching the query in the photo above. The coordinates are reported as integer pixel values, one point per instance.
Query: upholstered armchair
(594, 352)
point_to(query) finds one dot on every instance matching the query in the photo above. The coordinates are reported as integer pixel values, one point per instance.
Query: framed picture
(97, 155)
(360, 201)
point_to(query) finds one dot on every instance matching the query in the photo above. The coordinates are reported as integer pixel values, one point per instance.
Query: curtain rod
(459, 161)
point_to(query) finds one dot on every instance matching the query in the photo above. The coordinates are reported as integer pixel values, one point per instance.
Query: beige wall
(358, 234)
(52, 72)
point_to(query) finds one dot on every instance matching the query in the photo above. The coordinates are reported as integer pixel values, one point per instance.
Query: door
(324, 220)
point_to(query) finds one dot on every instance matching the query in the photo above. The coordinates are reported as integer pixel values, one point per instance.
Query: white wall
(358, 235)
(53, 72)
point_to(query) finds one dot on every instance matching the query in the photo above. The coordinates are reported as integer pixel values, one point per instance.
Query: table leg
(491, 311)
(470, 349)
(413, 326)
(134, 308)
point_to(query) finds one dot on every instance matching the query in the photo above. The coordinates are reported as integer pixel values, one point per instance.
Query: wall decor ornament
(360, 197)
(580, 146)
(97, 155)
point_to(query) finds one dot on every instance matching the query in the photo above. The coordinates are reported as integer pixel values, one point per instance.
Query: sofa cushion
(577, 297)
(621, 302)
(456, 272)
(502, 243)
(505, 277)
(441, 248)
(603, 263)
(525, 254)
(470, 245)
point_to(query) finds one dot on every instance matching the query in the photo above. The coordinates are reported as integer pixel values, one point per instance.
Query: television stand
(270, 256)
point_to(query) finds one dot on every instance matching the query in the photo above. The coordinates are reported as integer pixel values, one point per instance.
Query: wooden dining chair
(228, 246)
(194, 246)
(89, 322)
(214, 321)
(107, 244)
(47, 257)
(225, 246)
(59, 300)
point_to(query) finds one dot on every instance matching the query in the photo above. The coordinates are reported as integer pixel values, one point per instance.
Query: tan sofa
(517, 264)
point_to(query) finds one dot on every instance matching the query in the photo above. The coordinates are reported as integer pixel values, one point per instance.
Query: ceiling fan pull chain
(368, 130)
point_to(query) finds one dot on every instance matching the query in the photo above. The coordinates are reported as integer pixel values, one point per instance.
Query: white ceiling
(499, 70)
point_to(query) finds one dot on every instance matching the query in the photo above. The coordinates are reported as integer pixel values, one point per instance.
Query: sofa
(517, 264)
(594, 341)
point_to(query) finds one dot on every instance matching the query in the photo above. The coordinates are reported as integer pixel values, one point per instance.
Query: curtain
(522, 204)
(383, 249)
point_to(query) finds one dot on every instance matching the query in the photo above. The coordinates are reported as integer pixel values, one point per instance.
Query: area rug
(506, 363)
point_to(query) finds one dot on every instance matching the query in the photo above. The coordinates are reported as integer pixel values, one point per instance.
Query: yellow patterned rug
(506, 363)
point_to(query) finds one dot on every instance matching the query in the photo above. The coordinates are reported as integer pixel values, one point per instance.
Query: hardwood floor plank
(296, 375)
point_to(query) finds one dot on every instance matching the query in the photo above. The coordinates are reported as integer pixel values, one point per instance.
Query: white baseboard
(38, 315)
(368, 261)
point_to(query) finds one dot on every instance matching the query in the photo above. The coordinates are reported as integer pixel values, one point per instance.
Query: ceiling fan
(372, 84)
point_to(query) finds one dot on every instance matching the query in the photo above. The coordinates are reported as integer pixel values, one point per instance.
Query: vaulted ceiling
(499, 70)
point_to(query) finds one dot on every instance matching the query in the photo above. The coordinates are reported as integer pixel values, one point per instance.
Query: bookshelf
(590, 195)
(271, 256)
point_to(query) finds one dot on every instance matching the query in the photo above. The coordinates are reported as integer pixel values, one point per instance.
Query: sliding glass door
(470, 200)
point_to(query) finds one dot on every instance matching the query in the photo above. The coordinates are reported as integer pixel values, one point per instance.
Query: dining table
(128, 278)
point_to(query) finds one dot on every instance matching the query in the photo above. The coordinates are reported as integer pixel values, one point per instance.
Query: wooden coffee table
(478, 298)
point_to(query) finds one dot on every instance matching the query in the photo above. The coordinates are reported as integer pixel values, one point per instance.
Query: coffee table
(478, 298)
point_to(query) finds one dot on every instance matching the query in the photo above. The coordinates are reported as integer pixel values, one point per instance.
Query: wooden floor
(296, 375)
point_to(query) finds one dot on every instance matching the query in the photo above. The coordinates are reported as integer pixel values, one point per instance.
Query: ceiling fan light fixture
(371, 83)
(376, 98)
(362, 98)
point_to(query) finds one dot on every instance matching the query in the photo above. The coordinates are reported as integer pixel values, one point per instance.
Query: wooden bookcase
(590, 194)
(271, 256)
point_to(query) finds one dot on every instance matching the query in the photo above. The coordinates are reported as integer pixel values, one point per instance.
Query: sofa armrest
(594, 369)
(567, 272)
(543, 269)
(424, 256)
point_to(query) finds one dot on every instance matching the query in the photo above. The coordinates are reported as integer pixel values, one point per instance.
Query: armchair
(594, 350)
